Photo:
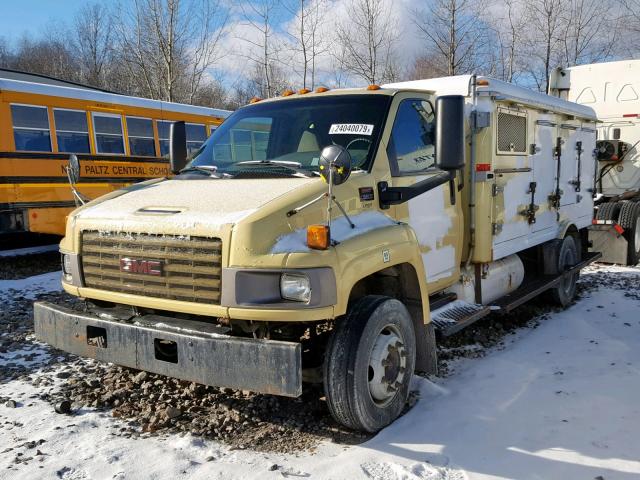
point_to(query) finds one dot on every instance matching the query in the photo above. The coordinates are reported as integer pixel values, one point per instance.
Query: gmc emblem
(141, 267)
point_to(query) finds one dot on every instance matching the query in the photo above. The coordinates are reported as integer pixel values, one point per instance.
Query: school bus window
(163, 135)
(243, 147)
(260, 143)
(72, 131)
(31, 128)
(222, 149)
(108, 133)
(196, 135)
(141, 141)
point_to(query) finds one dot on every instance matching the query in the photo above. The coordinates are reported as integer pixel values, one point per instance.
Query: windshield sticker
(351, 129)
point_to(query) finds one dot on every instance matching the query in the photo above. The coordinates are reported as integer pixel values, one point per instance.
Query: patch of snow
(340, 231)
(201, 204)
(31, 286)
(558, 401)
(39, 354)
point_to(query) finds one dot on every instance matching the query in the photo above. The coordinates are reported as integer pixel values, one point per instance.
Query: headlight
(295, 287)
(66, 268)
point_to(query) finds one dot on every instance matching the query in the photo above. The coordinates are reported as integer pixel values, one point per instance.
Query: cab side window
(412, 144)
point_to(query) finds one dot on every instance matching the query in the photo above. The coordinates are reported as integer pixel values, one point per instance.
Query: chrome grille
(191, 266)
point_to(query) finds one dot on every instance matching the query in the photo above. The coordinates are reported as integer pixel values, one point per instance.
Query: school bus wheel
(369, 363)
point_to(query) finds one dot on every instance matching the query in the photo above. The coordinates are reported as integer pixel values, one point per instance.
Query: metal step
(457, 315)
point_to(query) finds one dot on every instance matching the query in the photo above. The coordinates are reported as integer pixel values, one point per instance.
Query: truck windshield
(289, 135)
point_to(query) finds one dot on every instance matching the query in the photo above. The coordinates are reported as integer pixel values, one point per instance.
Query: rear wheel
(565, 291)
(629, 219)
(608, 211)
(369, 363)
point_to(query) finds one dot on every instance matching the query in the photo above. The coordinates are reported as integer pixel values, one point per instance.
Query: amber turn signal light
(318, 237)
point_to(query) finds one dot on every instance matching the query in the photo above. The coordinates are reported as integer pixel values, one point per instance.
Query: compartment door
(568, 163)
(544, 173)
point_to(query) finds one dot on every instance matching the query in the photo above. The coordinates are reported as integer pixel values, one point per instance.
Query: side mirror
(335, 164)
(73, 169)
(450, 135)
(73, 176)
(178, 146)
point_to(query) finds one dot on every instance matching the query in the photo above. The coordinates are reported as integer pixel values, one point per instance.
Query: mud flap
(612, 245)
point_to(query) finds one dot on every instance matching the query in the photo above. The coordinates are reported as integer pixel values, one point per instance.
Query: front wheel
(369, 363)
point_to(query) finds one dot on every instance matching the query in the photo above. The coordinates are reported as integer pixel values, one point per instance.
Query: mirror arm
(396, 195)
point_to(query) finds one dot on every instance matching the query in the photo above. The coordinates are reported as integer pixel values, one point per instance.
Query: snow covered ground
(557, 401)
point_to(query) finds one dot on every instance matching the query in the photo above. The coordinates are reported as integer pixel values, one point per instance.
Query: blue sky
(20, 16)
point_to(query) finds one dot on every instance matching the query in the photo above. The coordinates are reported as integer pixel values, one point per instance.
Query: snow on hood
(340, 231)
(186, 206)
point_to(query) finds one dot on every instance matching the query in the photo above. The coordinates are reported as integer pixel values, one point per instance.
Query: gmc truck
(330, 237)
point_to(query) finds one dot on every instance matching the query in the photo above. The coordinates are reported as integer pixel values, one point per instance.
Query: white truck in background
(612, 89)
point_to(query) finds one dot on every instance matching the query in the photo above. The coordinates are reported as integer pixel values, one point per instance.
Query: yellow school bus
(118, 139)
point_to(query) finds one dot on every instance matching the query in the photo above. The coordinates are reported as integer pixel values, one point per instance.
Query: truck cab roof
(462, 85)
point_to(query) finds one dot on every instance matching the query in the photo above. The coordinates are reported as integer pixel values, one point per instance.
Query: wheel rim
(568, 259)
(387, 365)
(636, 236)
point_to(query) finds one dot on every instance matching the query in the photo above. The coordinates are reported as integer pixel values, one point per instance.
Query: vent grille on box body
(190, 267)
(512, 132)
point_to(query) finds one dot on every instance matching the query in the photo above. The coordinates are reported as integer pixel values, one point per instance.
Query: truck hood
(190, 207)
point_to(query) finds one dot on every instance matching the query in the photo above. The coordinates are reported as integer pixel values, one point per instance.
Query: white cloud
(242, 42)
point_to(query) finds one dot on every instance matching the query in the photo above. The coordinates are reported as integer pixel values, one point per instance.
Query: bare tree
(509, 29)
(454, 30)
(544, 39)
(47, 56)
(306, 33)
(93, 42)
(631, 29)
(260, 16)
(5, 53)
(590, 32)
(168, 45)
(427, 65)
(366, 40)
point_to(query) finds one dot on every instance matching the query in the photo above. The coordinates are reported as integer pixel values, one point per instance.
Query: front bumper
(184, 349)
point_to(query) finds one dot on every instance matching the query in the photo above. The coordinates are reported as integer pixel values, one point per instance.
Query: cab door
(436, 222)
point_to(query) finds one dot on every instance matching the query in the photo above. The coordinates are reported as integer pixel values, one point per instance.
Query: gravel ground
(150, 404)
(24, 266)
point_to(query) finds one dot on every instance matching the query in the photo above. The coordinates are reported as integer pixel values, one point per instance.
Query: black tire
(608, 211)
(629, 219)
(564, 293)
(350, 381)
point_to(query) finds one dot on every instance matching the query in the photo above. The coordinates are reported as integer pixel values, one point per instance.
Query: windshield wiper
(207, 169)
(293, 166)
